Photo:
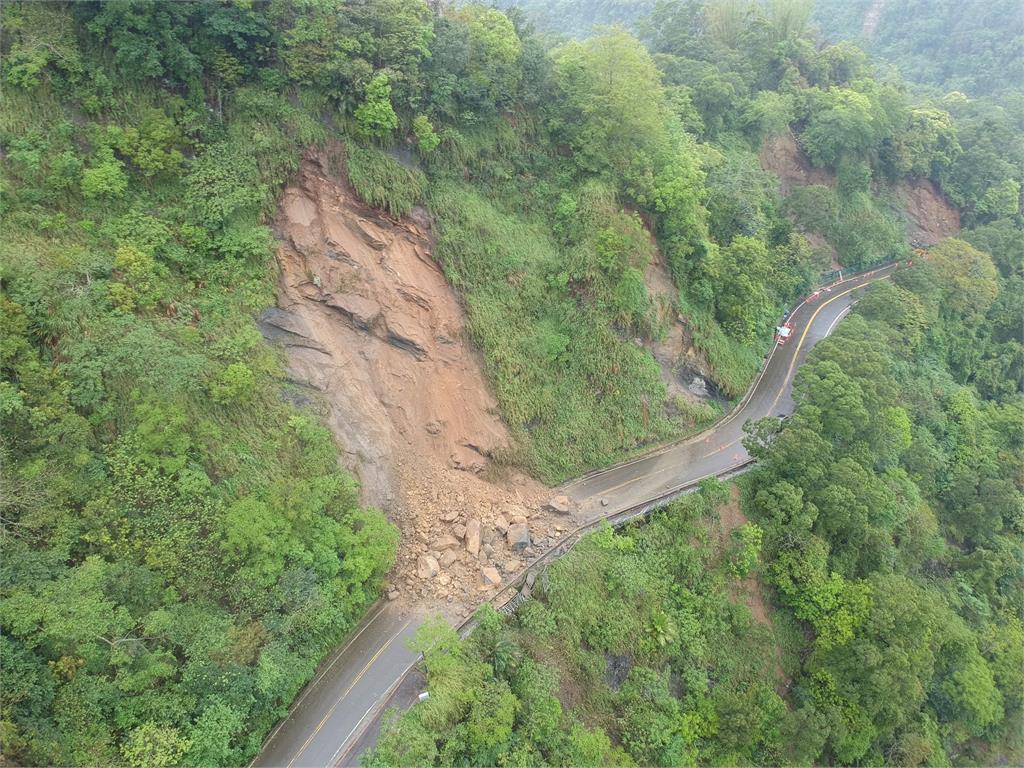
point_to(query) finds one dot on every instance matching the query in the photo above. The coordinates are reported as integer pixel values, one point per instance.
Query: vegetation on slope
(972, 46)
(179, 546)
(966, 59)
(634, 653)
(888, 520)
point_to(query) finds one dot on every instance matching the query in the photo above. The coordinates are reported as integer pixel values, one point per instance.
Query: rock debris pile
(375, 335)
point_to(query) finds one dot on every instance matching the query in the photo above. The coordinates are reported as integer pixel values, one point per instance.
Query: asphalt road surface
(338, 713)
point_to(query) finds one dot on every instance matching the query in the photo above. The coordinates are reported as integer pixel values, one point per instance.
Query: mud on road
(377, 337)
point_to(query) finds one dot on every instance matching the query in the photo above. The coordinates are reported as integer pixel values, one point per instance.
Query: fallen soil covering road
(377, 335)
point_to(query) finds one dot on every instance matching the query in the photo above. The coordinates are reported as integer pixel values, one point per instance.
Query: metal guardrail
(511, 597)
(507, 603)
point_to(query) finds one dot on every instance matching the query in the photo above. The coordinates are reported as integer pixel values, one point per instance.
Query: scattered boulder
(501, 524)
(531, 578)
(393, 594)
(448, 557)
(445, 542)
(559, 505)
(449, 515)
(427, 567)
(473, 536)
(489, 534)
(604, 502)
(513, 566)
(489, 576)
(512, 510)
(459, 530)
(518, 536)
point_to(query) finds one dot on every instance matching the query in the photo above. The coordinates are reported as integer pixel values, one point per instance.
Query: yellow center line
(775, 402)
(341, 698)
(807, 328)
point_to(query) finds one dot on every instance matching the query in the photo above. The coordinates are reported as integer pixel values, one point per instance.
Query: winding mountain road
(338, 713)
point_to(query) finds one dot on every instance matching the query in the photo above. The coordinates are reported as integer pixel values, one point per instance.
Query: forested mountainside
(858, 603)
(975, 46)
(180, 547)
(968, 57)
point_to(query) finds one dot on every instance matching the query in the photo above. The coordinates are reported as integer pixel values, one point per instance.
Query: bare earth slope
(369, 322)
(929, 216)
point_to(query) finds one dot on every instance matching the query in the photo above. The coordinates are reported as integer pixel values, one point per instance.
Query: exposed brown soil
(783, 156)
(748, 590)
(675, 347)
(930, 217)
(369, 322)
(684, 368)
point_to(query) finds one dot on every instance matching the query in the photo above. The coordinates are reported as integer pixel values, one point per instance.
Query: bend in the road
(350, 692)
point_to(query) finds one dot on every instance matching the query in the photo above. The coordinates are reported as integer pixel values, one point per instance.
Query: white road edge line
(844, 313)
(373, 708)
(312, 684)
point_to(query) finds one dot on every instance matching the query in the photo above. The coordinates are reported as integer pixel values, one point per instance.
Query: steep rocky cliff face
(382, 333)
(929, 215)
(372, 329)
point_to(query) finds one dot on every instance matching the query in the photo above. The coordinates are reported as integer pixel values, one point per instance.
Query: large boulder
(473, 536)
(363, 312)
(448, 558)
(518, 536)
(490, 577)
(559, 505)
(427, 567)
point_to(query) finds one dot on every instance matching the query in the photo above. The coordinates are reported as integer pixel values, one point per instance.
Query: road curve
(353, 687)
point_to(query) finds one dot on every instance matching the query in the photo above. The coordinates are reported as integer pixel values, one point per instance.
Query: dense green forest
(966, 57)
(180, 547)
(973, 46)
(887, 522)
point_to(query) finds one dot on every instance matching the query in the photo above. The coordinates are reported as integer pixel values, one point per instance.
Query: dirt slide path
(928, 216)
(749, 590)
(370, 324)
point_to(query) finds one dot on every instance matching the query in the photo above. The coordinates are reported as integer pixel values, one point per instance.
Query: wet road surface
(338, 714)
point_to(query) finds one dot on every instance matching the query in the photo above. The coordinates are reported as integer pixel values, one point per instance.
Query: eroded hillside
(929, 217)
(370, 324)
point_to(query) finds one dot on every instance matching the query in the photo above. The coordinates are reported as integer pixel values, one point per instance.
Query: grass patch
(733, 365)
(574, 389)
(380, 180)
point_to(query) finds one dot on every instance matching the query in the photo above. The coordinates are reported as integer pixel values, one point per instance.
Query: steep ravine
(371, 327)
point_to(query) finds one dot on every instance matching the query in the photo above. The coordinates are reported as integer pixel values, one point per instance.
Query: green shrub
(744, 549)
(104, 177)
(381, 181)
(235, 384)
(426, 138)
(375, 117)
